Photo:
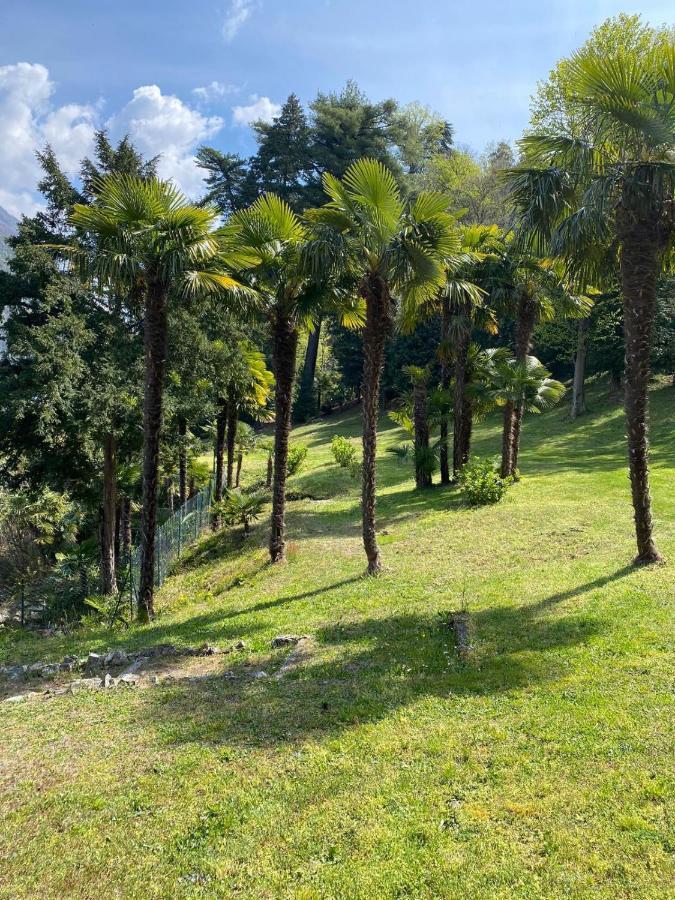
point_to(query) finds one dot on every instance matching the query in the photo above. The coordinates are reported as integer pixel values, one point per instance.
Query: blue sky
(176, 73)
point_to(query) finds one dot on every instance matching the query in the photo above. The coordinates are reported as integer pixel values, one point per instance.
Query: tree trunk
(305, 405)
(125, 528)
(270, 470)
(374, 336)
(221, 420)
(155, 338)
(109, 515)
(507, 439)
(285, 349)
(641, 243)
(421, 423)
(445, 383)
(578, 384)
(240, 461)
(527, 316)
(182, 460)
(232, 418)
(459, 441)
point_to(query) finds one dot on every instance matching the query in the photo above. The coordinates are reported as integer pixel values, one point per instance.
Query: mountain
(8, 227)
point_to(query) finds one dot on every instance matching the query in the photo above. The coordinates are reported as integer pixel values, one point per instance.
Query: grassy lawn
(383, 766)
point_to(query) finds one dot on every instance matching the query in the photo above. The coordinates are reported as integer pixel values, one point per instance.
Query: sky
(176, 74)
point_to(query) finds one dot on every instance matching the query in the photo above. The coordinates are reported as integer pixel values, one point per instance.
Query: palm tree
(419, 378)
(614, 184)
(394, 249)
(245, 442)
(149, 239)
(267, 240)
(521, 383)
(527, 286)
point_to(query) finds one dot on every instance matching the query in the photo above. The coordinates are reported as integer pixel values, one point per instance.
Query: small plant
(296, 457)
(237, 508)
(343, 451)
(481, 482)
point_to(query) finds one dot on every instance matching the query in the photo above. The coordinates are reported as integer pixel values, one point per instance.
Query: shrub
(296, 457)
(481, 482)
(343, 451)
(238, 508)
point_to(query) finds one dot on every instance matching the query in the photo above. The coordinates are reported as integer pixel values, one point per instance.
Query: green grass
(384, 766)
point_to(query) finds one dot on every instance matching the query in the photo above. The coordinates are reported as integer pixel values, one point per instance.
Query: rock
(19, 698)
(287, 640)
(240, 645)
(155, 679)
(36, 668)
(116, 658)
(208, 650)
(128, 680)
(16, 673)
(69, 663)
(109, 681)
(298, 655)
(94, 661)
(85, 684)
(50, 670)
(260, 674)
(136, 665)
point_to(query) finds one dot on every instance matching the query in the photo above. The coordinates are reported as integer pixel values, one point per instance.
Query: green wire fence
(171, 538)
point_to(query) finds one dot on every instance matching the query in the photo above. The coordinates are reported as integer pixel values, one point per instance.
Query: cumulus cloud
(261, 109)
(28, 122)
(238, 13)
(214, 91)
(161, 124)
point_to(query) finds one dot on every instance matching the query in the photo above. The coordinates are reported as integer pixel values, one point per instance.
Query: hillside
(380, 764)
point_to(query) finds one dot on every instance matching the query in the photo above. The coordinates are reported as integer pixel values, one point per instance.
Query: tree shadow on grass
(362, 672)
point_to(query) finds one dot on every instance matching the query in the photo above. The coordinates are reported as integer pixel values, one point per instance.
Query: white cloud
(160, 124)
(261, 109)
(214, 91)
(238, 13)
(27, 123)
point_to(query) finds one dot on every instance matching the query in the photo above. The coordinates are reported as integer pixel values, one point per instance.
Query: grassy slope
(384, 767)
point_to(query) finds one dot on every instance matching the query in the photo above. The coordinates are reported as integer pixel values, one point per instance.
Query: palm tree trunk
(459, 441)
(305, 405)
(240, 461)
(527, 316)
(374, 336)
(507, 439)
(640, 239)
(109, 517)
(155, 337)
(270, 470)
(445, 383)
(285, 349)
(182, 460)
(421, 423)
(232, 417)
(221, 420)
(578, 384)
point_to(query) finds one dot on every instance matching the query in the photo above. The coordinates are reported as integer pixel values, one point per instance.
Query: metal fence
(51, 598)
(173, 536)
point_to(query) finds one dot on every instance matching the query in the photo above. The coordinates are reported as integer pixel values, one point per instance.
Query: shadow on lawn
(374, 667)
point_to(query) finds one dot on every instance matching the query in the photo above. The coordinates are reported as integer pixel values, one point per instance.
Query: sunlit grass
(384, 766)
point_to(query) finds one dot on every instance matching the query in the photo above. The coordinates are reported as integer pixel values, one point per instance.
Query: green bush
(481, 482)
(296, 457)
(343, 451)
